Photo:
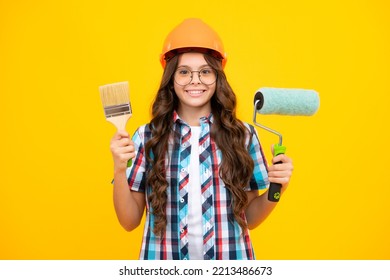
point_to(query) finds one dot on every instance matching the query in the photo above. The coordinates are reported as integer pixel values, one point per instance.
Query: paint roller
(283, 101)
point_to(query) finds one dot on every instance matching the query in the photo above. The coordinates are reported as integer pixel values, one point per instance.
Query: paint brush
(116, 104)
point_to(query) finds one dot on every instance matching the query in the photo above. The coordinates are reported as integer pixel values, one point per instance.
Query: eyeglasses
(183, 76)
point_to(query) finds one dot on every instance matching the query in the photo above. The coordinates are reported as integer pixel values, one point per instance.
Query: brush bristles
(115, 94)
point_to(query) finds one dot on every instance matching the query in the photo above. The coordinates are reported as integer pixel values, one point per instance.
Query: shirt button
(182, 200)
(182, 231)
(183, 170)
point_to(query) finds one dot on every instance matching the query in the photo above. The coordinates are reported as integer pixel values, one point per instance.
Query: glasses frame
(192, 75)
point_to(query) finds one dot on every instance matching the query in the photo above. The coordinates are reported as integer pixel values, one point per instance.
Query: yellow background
(56, 167)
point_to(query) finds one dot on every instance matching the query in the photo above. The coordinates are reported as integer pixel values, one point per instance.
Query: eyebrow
(200, 67)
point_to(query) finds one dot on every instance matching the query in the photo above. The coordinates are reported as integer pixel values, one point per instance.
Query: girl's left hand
(281, 172)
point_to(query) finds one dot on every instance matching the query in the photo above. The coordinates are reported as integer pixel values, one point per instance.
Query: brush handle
(274, 190)
(120, 123)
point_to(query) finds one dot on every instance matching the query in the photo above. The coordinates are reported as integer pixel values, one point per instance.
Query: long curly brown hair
(228, 132)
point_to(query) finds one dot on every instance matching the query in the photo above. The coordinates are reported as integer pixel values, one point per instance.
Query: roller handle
(275, 189)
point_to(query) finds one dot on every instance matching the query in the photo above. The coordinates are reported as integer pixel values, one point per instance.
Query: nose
(196, 77)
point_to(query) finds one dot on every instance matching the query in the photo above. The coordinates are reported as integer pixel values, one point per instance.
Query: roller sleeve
(282, 101)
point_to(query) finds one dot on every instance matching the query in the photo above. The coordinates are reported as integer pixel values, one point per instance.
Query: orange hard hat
(192, 34)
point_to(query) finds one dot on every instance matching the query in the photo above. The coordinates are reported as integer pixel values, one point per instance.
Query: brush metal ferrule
(117, 110)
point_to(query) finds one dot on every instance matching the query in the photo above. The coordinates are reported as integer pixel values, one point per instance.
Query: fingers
(281, 158)
(122, 158)
(120, 134)
(122, 149)
(121, 138)
(281, 172)
(279, 177)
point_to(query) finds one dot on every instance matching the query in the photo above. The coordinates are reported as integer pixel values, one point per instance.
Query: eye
(206, 71)
(183, 71)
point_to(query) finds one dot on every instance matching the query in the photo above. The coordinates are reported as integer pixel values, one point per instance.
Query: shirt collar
(206, 119)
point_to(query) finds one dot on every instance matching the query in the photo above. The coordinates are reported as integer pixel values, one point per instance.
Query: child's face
(198, 92)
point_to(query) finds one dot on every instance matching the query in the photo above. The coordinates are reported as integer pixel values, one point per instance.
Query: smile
(195, 92)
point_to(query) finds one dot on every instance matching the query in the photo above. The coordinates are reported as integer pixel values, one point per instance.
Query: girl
(196, 169)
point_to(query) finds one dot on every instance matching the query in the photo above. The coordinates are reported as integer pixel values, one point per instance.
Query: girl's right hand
(122, 149)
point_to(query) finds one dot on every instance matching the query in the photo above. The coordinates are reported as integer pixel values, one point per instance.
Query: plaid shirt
(222, 235)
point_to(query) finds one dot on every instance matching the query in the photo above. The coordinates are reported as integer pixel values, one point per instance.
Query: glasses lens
(207, 76)
(183, 76)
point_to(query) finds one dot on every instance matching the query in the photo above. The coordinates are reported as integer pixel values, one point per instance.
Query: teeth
(195, 91)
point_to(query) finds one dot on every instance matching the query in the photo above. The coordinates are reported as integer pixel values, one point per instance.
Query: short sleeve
(259, 179)
(136, 173)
